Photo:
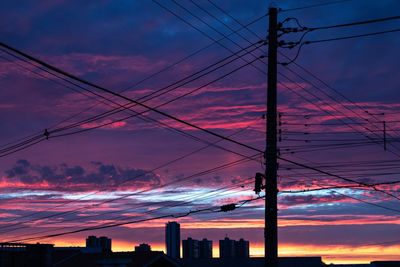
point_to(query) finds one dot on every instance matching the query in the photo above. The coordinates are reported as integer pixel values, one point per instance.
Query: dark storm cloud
(21, 168)
(67, 177)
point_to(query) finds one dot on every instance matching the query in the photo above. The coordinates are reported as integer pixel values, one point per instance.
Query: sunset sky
(333, 101)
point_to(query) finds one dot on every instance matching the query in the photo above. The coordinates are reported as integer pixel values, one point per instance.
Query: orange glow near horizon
(337, 254)
(259, 223)
(332, 254)
(329, 254)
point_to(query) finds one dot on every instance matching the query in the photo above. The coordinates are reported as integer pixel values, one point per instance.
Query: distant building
(195, 249)
(105, 243)
(92, 242)
(205, 249)
(190, 248)
(173, 240)
(114, 259)
(19, 254)
(46, 255)
(260, 261)
(101, 243)
(242, 249)
(229, 248)
(143, 248)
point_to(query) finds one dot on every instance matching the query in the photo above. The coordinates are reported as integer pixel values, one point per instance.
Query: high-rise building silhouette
(105, 243)
(102, 243)
(143, 248)
(205, 249)
(190, 248)
(242, 249)
(226, 248)
(229, 248)
(195, 249)
(173, 239)
(92, 241)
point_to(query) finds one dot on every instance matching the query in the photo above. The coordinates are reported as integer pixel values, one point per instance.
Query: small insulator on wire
(46, 133)
(228, 207)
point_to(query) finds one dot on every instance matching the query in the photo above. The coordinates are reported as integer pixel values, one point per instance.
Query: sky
(333, 100)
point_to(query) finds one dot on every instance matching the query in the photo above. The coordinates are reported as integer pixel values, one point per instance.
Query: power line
(324, 110)
(69, 212)
(211, 209)
(136, 114)
(309, 140)
(174, 99)
(367, 202)
(376, 20)
(220, 20)
(174, 1)
(188, 200)
(315, 5)
(208, 142)
(352, 23)
(339, 177)
(331, 106)
(158, 72)
(331, 188)
(201, 31)
(64, 73)
(186, 80)
(346, 195)
(214, 66)
(234, 19)
(348, 37)
(227, 165)
(341, 95)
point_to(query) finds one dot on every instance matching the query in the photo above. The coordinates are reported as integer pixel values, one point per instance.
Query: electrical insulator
(46, 134)
(228, 207)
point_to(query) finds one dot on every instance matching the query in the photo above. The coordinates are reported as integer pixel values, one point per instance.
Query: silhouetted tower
(242, 248)
(92, 242)
(173, 239)
(227, 248)
(190, 249)
(143, 248)
(205, 249)
(105, 243)
(101, 243)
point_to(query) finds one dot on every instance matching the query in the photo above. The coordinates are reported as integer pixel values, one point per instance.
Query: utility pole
(271, 161)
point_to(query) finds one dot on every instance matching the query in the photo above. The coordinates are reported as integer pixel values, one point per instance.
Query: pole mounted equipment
(258, 183)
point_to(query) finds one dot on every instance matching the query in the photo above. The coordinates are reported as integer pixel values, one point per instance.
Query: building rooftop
(252, 262)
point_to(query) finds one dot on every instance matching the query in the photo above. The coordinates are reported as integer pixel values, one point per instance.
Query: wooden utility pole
(271, 161)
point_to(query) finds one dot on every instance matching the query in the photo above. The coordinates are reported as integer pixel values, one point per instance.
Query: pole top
(273, 10)
(273, 5)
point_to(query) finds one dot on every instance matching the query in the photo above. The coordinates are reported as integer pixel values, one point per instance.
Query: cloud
(310, 199)
(78, 178)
